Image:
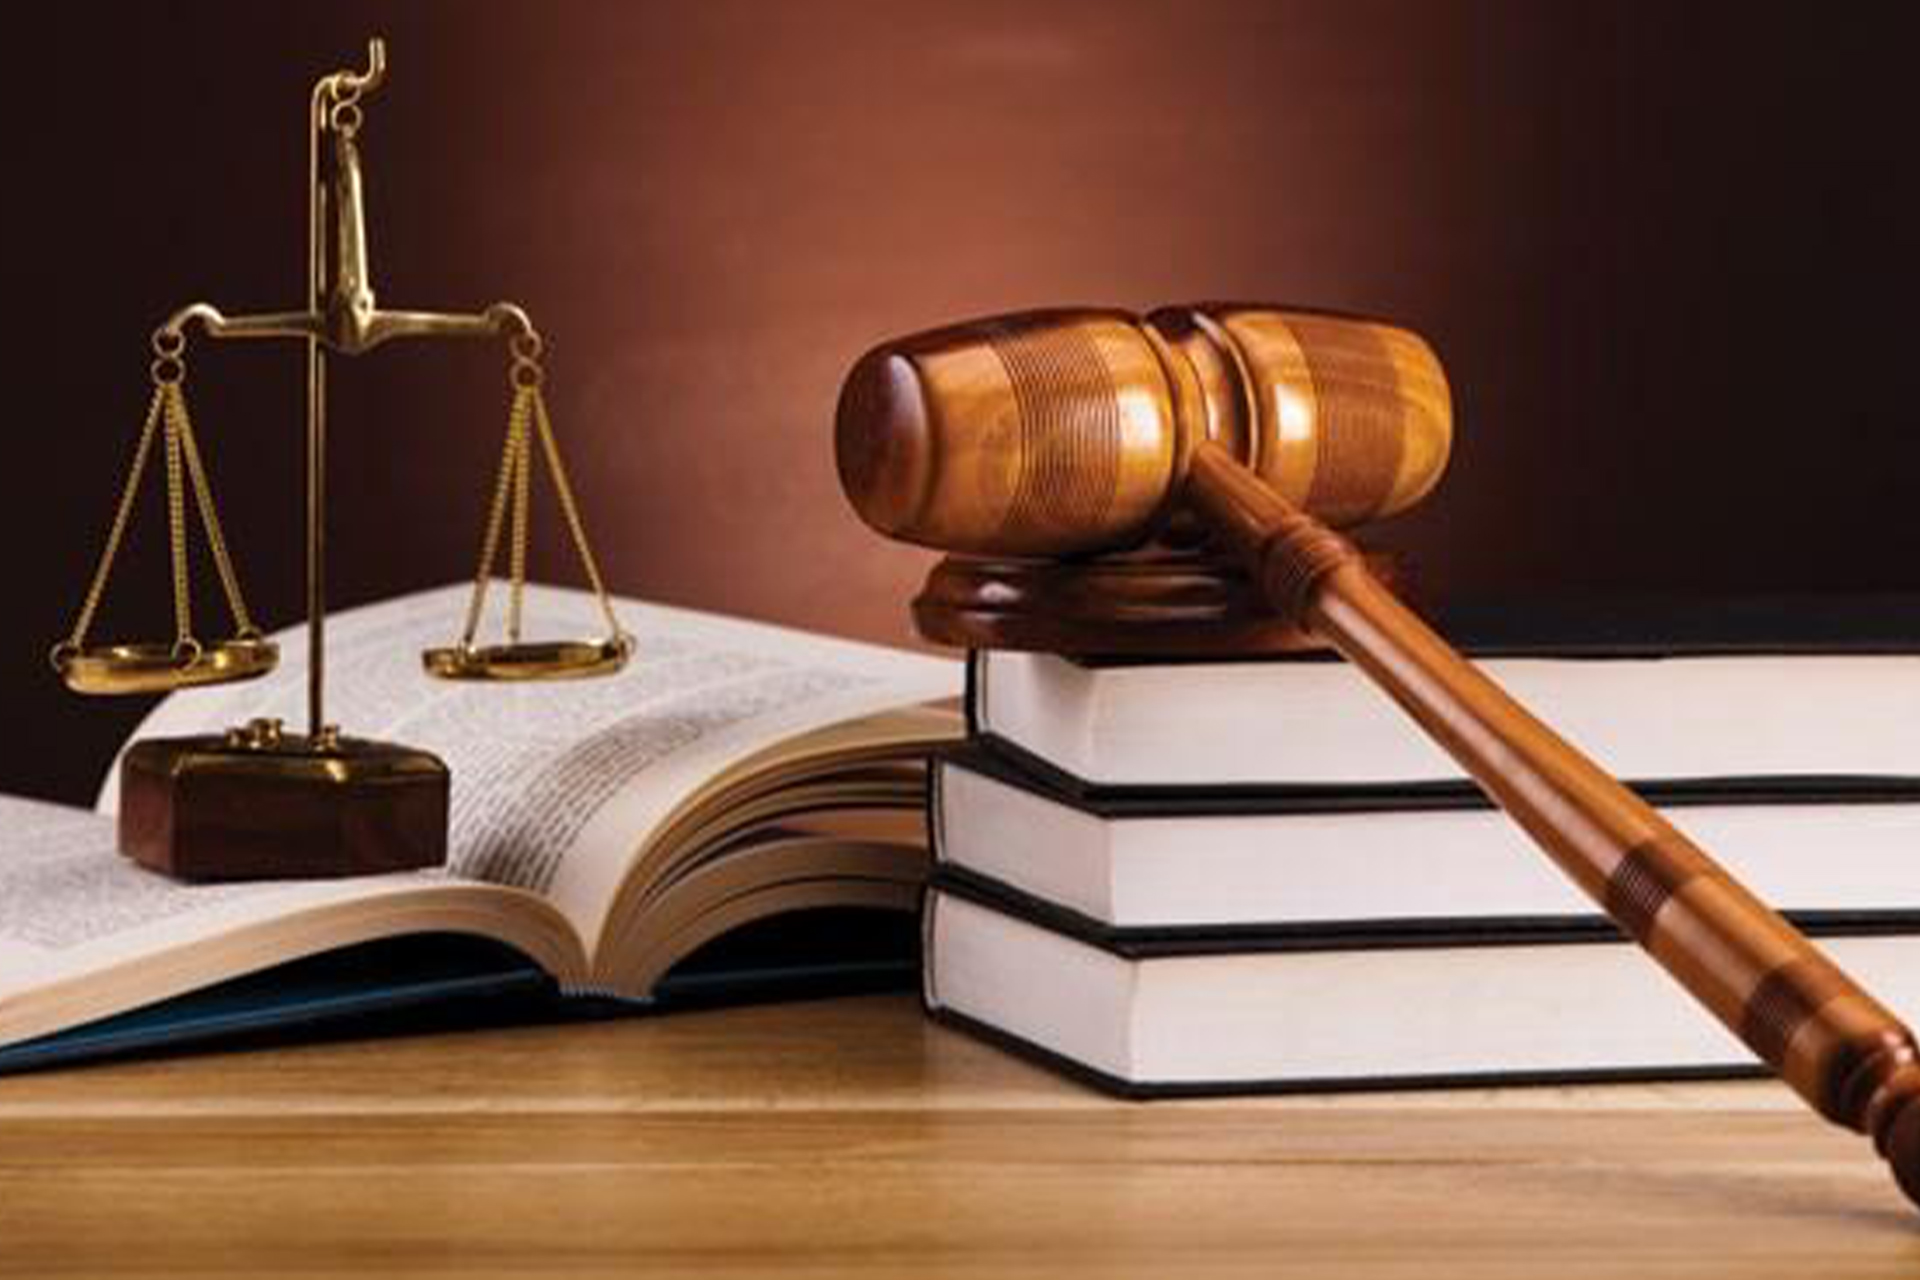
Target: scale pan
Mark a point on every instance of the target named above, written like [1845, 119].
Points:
[542, 660]
[160, 667]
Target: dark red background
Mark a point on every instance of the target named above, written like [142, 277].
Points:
[1666, 250]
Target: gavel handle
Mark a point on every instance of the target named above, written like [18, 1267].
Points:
[1838, 1048]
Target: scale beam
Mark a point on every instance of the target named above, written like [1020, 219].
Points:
[501, 320]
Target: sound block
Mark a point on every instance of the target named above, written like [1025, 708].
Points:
[1159, 602]
[257, 803]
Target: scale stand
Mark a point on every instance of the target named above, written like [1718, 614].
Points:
[259, 801]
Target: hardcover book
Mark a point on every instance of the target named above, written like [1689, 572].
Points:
[1651, 690]
[1335, 858]
[1146, 1016]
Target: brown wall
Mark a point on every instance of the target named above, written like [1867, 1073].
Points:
[1660, 247]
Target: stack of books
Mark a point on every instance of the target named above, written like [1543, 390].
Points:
[1201, 877]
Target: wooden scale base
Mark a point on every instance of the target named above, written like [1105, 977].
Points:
[257, 803]
[1158, 602]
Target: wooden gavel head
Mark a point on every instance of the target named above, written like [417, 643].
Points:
[1052, 433]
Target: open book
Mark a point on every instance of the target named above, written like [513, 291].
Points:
[604, 830]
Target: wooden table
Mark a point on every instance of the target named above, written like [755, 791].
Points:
[851, 1137]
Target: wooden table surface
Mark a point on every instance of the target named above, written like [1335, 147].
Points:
[850, 1137]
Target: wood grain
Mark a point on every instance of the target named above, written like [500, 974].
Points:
[1052, 433]
[1159, 601]
[1846, 1054]
[854, 1138]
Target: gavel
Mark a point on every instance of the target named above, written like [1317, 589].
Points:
[1073, 432]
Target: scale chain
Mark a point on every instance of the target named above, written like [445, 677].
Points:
[572, 511]
[77, 638]
[522, 502]
[166, 412]
[210, 517]
[513, 490]
[496, 517]
[183, 640]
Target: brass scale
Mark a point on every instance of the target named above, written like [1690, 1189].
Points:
[320, 767]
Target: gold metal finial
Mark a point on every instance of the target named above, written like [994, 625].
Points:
[370, 79]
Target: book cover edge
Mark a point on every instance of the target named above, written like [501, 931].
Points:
[1153, 1090]
[1151, 942]
[1000, 760]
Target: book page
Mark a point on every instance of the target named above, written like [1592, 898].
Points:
[556, 785]
[70, 904]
